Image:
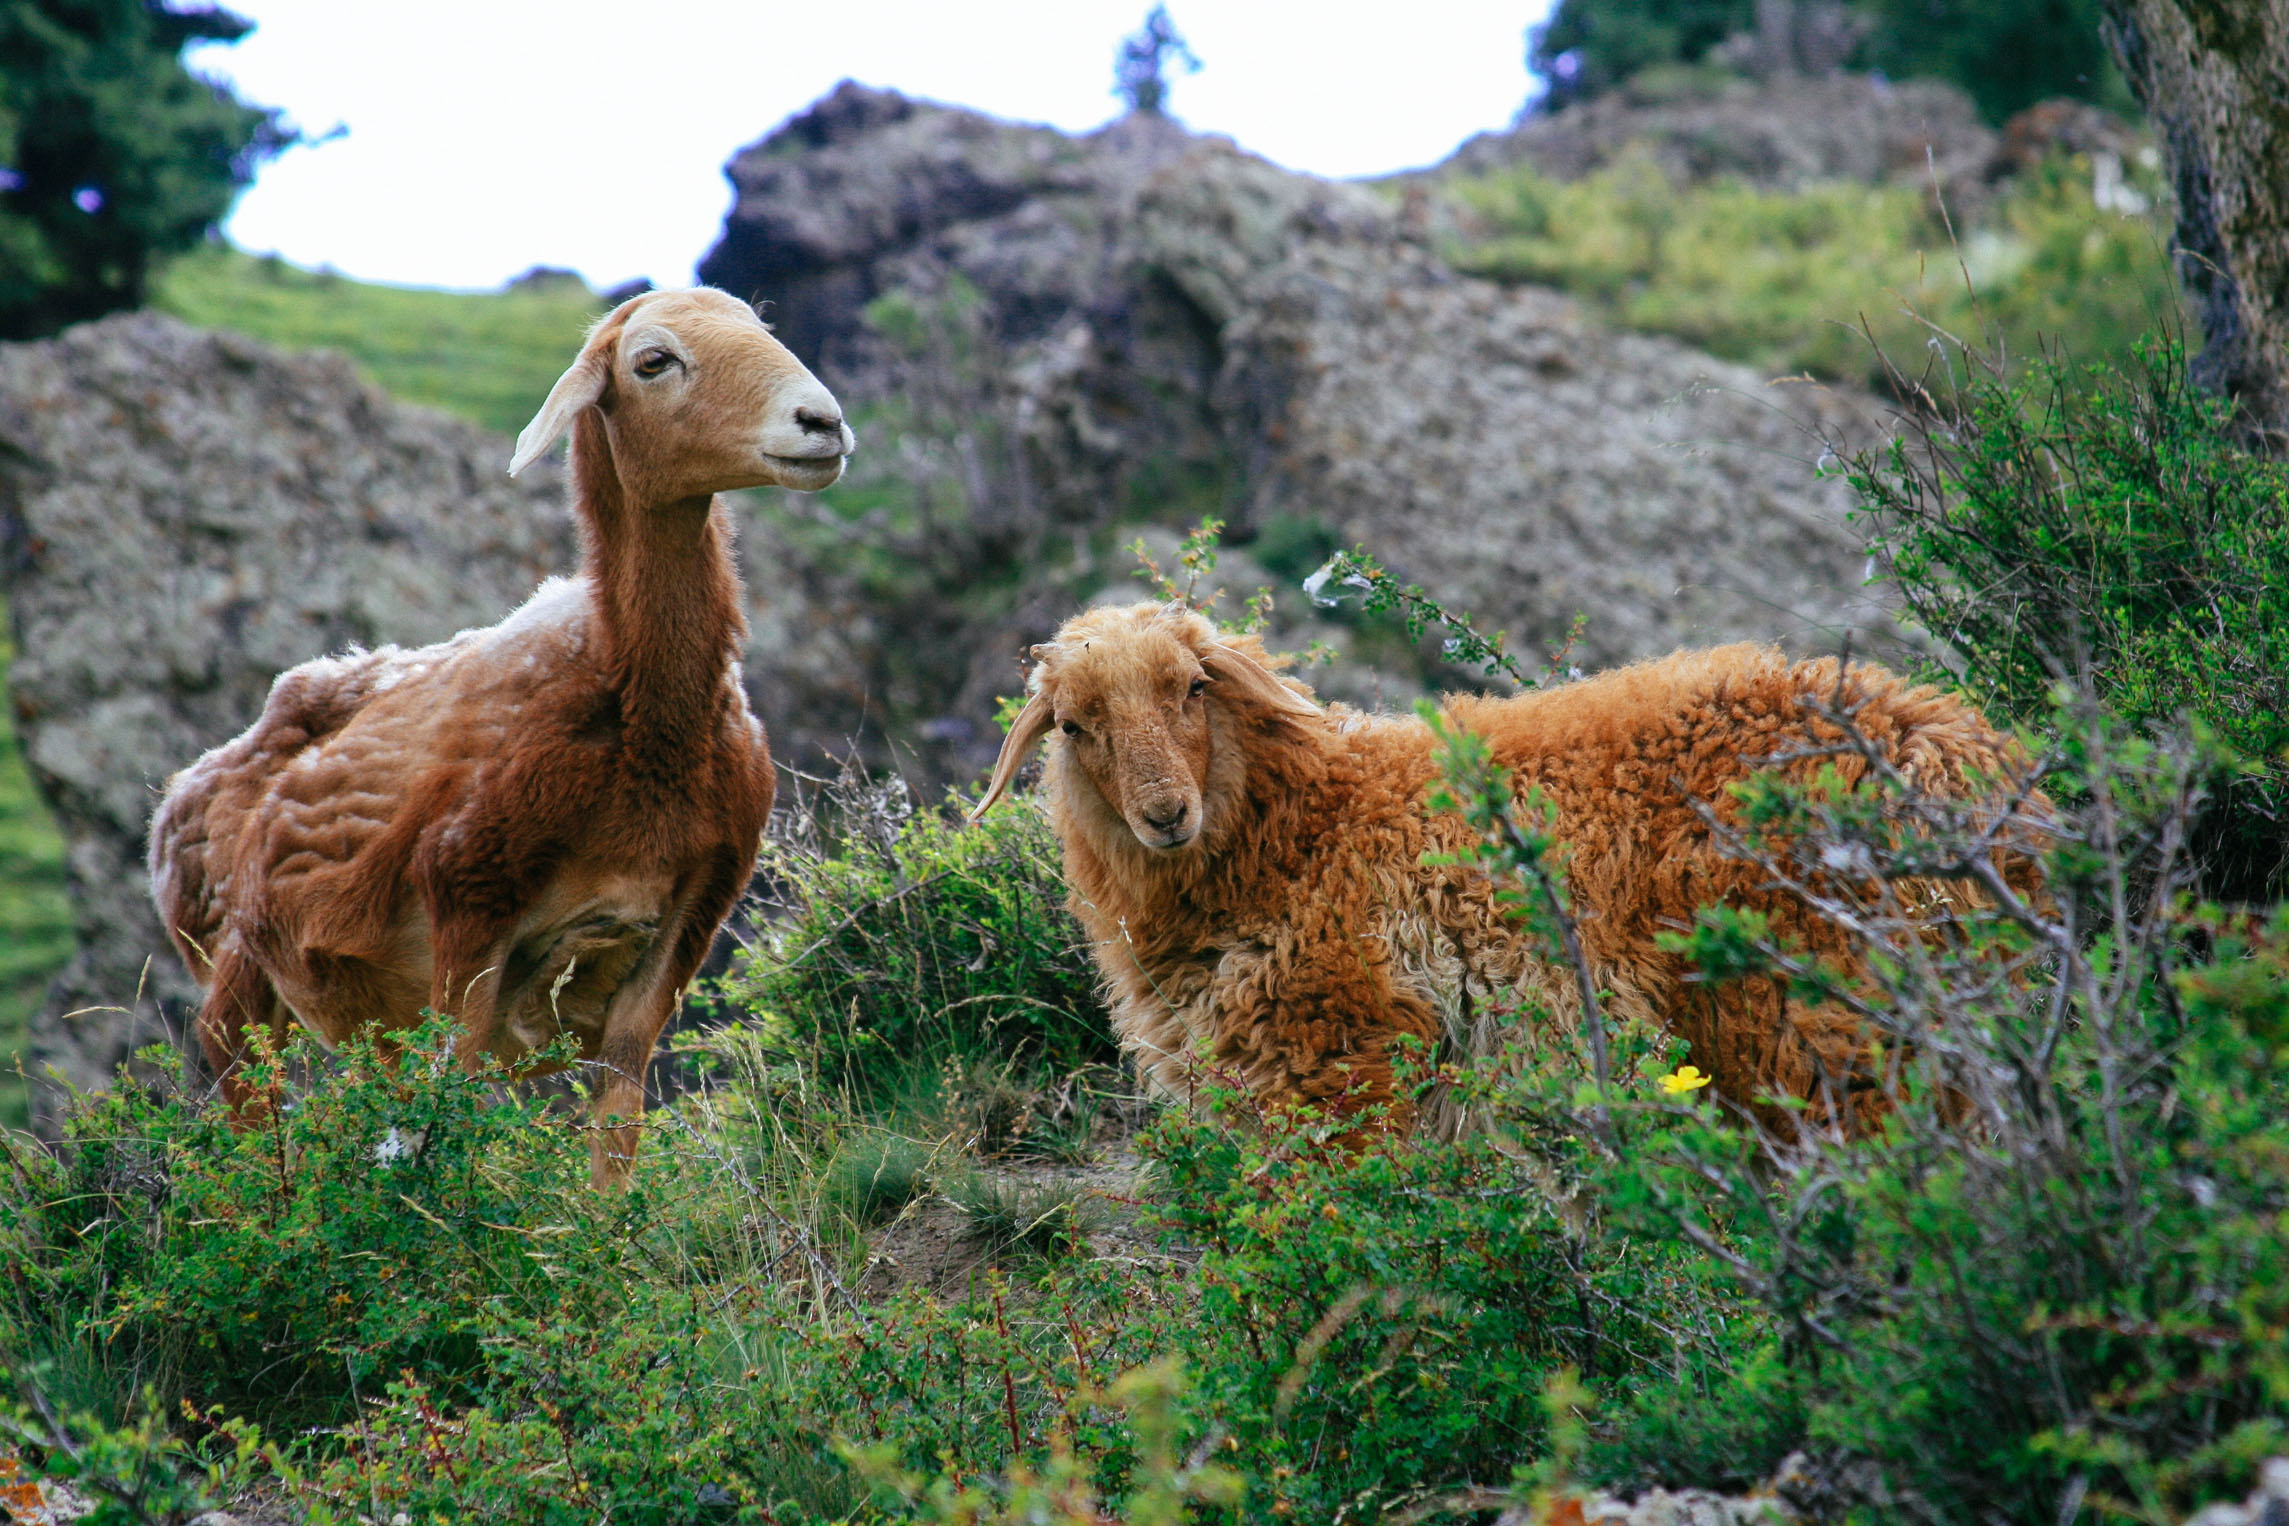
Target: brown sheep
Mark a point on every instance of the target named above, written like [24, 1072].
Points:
[537, 827]
[1248, 866]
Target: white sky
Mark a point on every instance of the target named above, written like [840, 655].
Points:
[487, 136]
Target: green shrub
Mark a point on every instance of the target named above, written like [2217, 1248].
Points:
[2105, 520]
[118, 152]
[2054, 1279]
[1801, 281]
[1066, 1492]
[399, 1234]
[2008, 54]
[903, 937]
[1588, 47]
[279, 1267]
[1379, 1327]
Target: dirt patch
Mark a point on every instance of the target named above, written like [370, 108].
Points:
[1012, 1215]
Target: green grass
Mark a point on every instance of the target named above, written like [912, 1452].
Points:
[1799, 281]
[489, 357]
[35, 919]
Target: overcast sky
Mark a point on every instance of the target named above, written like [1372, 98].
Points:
[487, 136]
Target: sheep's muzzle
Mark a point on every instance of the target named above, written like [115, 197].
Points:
[1165, 820]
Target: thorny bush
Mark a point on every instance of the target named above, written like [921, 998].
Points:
[2103, 521]
[2055, 1279]
[894, 934]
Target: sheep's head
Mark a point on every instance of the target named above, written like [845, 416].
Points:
[1138, 702]
[697, 398]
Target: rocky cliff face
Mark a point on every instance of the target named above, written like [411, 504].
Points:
[1053, 339]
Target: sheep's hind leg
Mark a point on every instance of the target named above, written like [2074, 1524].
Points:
[239, 999]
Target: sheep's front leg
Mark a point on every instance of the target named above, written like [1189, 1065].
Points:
[1317, 1026]
[641, 1014]
[465, 985]
[616, 1096]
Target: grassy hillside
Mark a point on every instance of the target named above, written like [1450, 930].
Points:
[487, 356]
[1802, 281]
[911, 1251]
[35, 920]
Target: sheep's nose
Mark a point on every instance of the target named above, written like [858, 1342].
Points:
[1168, 817]
[818, 420]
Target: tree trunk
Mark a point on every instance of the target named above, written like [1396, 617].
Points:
[2214, 77]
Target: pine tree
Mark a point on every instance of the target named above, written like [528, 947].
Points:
[1139, 69]
[112, 153]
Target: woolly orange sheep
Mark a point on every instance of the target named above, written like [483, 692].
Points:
[1249, 866]
[537, 827]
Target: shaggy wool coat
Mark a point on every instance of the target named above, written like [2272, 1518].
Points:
[1304, 932]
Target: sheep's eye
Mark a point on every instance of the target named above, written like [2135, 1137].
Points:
[654, 362]
[1199, 687]
[1070, 728]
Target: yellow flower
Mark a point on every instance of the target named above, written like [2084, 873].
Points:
[1688, 1078]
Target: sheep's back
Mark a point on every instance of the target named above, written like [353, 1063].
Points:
[1630, 758]
[342, 744]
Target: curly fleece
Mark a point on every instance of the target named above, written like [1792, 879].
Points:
[1300, 933]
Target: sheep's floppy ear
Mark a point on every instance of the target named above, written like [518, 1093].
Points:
[1242, 677]
[578, 388]
[1031, 725]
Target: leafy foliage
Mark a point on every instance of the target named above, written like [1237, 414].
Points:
[1587, 47]
[2051, 1272]
[1380, 1325]
[112, 154]
[901, 935]
[2055, 1275]
[2007, 54]
[382, 1182]
[2107, 521]
[414, 1264]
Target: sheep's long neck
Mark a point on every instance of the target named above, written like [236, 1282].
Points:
[667, 604]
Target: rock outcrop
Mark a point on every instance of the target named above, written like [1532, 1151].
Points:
[1782, 133]
[1050, 339]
